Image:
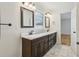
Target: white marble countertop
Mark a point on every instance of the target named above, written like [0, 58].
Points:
[34, 36]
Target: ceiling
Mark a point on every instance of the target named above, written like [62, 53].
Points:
[61, 7]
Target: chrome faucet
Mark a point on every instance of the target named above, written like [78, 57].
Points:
[47, 30]
[31, 32]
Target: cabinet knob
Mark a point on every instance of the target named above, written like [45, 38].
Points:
[74, 32]
[77, 43]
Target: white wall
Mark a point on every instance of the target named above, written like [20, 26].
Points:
[77, 24]
[56, 26]
[73, 28]
[66, 26]
[10, 42]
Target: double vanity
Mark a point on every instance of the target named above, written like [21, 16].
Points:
[37, 45]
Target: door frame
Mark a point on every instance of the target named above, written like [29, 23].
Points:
[74, 50]
[60, 28]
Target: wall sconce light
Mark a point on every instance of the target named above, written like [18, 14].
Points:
[29, 4]
[34, 6]
[47, 14]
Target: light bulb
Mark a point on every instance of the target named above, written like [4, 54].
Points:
[30, 5]
[26, 3]
[34, 7]
[48, 14]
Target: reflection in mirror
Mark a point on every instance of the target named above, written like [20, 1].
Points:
[39, 18]
[27, 18]
[47, 22]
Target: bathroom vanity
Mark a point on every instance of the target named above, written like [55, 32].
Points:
[37, 45]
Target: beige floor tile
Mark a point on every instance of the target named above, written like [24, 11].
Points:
[60, 51]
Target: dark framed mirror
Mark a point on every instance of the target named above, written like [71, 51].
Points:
[27, 18]
[47, 22]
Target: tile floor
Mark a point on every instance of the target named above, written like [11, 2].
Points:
[60, 51]
[65, 39]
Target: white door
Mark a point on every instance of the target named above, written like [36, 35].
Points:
[9, 35]
[77, 30]
[78, 50]
[73, 30]
[0, 26]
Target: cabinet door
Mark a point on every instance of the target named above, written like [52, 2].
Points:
[42, 47]
[52, 40]
[36, 50]
[46, 45]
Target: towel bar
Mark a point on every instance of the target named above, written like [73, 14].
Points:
[6, 24]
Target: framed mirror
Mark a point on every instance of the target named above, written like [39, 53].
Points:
[27, 18]
[47, 22]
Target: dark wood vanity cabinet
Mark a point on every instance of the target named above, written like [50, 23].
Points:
[52, 40]
[36, 47]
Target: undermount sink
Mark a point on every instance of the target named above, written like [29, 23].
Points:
[24, 34]
[35, 33]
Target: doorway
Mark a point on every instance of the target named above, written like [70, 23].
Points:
[66, 28]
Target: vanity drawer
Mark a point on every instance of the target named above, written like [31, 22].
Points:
[35, 41]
